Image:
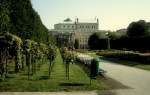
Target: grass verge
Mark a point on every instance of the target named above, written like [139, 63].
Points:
[129, 63]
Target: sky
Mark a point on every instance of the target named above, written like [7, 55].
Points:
[112, 14]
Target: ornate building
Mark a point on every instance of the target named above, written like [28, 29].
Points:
[67, 31]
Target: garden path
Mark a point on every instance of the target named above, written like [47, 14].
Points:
[137, 80]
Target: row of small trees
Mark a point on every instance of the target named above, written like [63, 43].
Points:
[26, 52]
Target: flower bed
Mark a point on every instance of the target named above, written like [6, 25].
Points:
[85, 59]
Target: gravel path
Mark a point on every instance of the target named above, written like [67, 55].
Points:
[48, 93]
[59, 93]
[136, 79]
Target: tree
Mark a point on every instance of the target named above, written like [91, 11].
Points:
[20, 22]
[93, 41]
[19, 18]
[137, 29]
[68, 57]
[76, 44]
[97, 41]
[51, 54]
[115, 35]
[17, 46]
[10, 45]
[4, 16]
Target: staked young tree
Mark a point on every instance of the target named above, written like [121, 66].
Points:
[10, 46]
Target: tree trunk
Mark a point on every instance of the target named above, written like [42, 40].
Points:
[28, 60]
[22, 58]
[17, 61]
[32, 62]
[6, 64]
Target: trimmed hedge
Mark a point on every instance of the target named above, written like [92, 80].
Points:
[127, 55]
[137, 44]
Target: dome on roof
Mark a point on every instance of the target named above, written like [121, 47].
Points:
[67, 20]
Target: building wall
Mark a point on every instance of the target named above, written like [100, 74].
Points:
[78, 27]
[87, 27]
[80, 30]
[65, 26]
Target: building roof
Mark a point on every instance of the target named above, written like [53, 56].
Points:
[67, 20]
[87, 20]
[80, 21]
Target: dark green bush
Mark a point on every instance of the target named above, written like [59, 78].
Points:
[130, 56]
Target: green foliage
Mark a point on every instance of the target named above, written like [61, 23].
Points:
[126, 55]
[136, 38]
[12, 44]
[115, 35]
[35, 52]
[76, 44]
[4, 16]
[18, 17]
[67, 55]
[134, 43]
[94, 67]
[97, 41]
[40, 49]
[137, 29]
[51, 53]
[79, 80]
[11, 41]
[20, 22]
[93, 41]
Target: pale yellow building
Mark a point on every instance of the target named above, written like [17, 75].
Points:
[80, 30]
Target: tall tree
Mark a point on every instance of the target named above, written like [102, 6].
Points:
[4, 16]
[18, 17]
[97, 41]
[137, 29]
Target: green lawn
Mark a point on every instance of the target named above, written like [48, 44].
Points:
[142, 66]
[130, 63]
[58, 82]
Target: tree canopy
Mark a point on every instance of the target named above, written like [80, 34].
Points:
[137, 29]
[19, 18]
[97, 41]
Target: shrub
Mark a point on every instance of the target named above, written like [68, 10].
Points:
[126, 55]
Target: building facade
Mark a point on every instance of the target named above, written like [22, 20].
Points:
[67, 31]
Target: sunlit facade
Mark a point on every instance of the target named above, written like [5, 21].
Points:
[75, 30]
